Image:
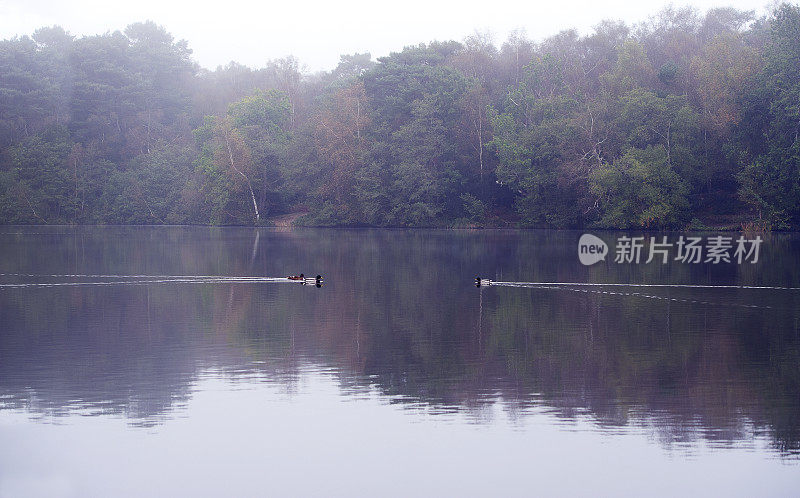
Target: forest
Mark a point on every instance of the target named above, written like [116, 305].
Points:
[686, 121]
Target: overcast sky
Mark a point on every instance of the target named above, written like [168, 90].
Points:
[317, 32]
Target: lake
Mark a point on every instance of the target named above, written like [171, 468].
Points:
[398, 376]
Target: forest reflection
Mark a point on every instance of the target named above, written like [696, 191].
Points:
[398, 316]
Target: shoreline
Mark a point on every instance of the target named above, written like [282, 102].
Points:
[397, 228]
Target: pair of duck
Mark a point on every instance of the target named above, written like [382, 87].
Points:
[302, 277]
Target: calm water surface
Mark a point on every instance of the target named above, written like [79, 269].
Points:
[398, 376]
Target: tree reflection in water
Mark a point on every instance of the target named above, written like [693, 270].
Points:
[398, 315]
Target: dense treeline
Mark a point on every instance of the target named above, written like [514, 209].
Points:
[684, 120]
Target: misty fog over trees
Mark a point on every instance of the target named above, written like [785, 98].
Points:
[686, 120]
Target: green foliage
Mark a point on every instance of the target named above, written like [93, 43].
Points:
[533, 159]
[640, 189]
[415, 111]
[474, 208]
[262, 120]
[38, 187]
[682, 117]
[762, 186]
[266, 111]
[150, 192]
[770, 182]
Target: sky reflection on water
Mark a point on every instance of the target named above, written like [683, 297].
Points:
[314, 441]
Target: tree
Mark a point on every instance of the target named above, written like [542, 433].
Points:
[249, 143]
[340, 137]
[37, 186]
[125, 128]
[262, 122]
[770, 182]
[640, 190]
[415, 110]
